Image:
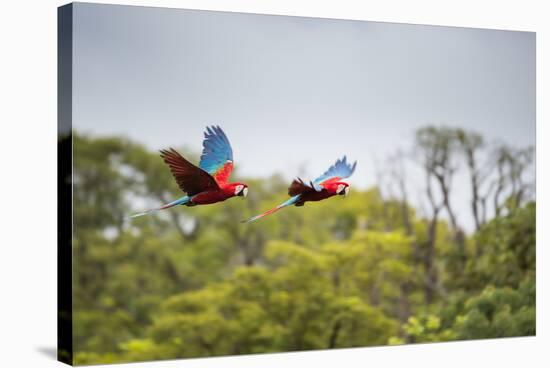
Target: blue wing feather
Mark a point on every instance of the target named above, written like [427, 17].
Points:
[216, 150]
[341, 169]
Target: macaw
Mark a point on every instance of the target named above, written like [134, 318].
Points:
[207, 183]
[327, 185]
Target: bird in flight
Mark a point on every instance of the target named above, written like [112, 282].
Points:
[327, 185]
[208, 182]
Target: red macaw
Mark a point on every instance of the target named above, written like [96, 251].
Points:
[207, 183]
[327, 185]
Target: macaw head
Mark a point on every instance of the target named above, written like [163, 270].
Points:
[341, 188]
[240, 189]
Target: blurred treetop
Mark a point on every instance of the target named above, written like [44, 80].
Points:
[367, 270]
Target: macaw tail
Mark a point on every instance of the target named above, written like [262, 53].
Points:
[290, 202]
[182, 200]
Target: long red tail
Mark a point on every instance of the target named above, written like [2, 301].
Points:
[290, 202]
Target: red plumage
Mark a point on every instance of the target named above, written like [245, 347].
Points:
[190, 178]
[222, 175]
[200, 186]
[208, 182]
[327, 185]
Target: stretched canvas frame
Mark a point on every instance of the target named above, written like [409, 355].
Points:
[415, 325]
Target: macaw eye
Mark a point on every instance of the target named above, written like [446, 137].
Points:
[238, 189]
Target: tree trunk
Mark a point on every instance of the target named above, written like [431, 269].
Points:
[431, 272]
[334, 334]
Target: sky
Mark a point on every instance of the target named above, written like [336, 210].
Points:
[292, 93]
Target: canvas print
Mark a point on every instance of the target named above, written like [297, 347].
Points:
[240, 183]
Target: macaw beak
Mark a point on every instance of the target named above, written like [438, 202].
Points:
[245, 192]
[342, 190]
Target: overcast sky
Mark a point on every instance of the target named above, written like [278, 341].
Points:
[295, 93]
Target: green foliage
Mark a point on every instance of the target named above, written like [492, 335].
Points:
[498, 312]
[508, 249]
[192, 282]
[427, 328]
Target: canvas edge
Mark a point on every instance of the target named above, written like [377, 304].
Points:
[64, 184]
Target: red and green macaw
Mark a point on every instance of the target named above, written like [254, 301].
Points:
[207, 183]
[327, 185]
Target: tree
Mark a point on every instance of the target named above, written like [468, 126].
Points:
[512, 165]
[471, 145]
[367, 270]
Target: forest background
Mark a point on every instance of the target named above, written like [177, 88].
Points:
[392, 264]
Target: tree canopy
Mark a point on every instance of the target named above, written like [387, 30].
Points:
[368, 270]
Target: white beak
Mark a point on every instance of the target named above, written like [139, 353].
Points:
[238, 189]
[245, 192]
[346, 191]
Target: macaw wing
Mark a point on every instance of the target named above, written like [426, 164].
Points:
[340, 170]
[217, 155]
[190, 178]
[298, 187]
